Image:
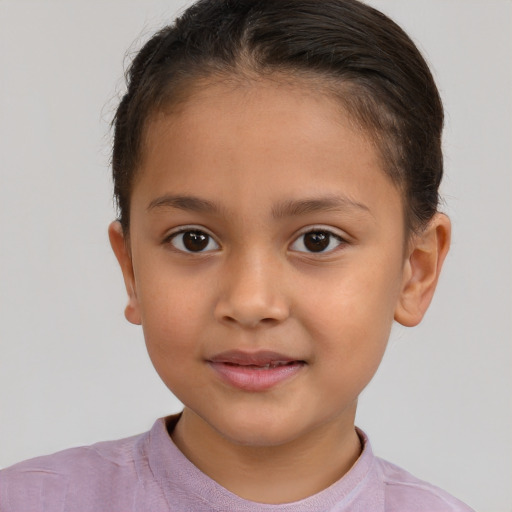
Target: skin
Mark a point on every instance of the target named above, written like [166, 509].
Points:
[264, 154]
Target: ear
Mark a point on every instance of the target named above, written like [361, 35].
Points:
[426, 254]
[122, 251]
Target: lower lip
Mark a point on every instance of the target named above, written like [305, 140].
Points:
[252, 378]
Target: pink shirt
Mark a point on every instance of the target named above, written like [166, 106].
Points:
[148, 473]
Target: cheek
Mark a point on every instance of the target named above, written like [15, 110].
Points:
[174, 314]
[350, 316]
[350, 338]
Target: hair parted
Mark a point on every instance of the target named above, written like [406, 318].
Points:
[348, 49]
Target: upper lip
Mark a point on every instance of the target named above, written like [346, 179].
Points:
[260, 358]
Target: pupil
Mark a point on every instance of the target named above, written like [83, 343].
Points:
[195, 240]
[317, 241]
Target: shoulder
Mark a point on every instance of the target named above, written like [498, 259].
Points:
[87, 473]
[406, 493]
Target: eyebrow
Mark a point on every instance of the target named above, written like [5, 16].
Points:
[289, 208]
[330, 203]
[180, 202]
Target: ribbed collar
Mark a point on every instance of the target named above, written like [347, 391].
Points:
[358, 490]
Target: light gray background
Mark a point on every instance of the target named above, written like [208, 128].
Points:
[73, 371]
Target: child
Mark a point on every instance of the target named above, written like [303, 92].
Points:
[276, 166]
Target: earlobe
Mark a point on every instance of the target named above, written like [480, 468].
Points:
[426, 255]
[122, 252]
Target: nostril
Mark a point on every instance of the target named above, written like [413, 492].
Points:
[251, 319]
[250, 323]
[269, 320]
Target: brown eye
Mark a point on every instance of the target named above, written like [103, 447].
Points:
[193, 240]
[317, 241]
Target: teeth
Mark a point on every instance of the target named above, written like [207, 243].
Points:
[273, 365]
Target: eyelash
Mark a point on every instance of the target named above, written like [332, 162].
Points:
[191, 229]
[326, 235]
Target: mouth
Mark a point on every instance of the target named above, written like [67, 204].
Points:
[258, 371]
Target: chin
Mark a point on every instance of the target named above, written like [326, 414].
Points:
[259, 430]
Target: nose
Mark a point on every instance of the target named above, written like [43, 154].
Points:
[252, 294]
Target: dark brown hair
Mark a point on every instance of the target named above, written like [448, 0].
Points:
[349, 49]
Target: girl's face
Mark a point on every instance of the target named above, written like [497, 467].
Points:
[267, 260]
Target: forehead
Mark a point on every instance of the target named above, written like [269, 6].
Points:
[230, 102]
[267, 136]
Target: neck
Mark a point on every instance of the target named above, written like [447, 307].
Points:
[270, 474]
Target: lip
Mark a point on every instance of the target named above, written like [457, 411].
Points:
[255, 371]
